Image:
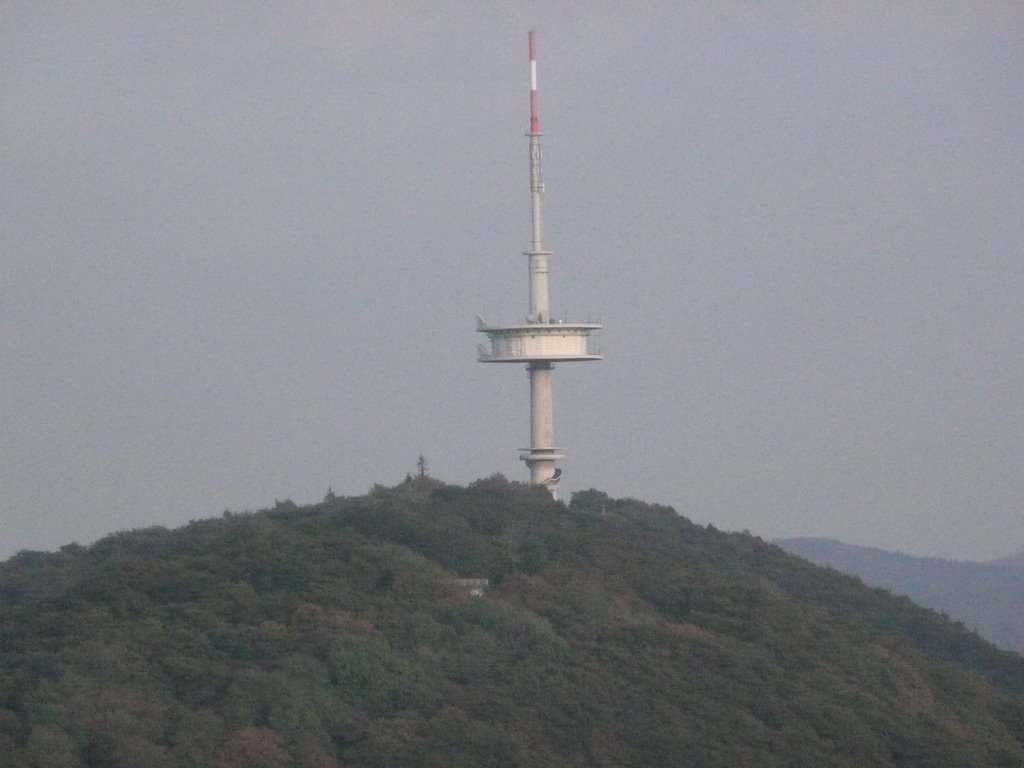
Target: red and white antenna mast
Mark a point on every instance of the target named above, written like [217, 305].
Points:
[539, 309]
[539, 342]
[534, 110]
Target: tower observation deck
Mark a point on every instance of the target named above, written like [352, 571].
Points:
[540, 341]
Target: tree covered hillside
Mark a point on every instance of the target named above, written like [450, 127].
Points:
[613, 633]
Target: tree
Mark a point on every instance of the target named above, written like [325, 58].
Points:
[253, 748]
[50, 747]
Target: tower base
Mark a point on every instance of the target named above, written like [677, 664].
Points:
[541, 462]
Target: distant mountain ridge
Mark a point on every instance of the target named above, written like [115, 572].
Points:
[1012, 561]
[987, 597]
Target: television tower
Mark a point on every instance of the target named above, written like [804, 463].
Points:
[541, 341]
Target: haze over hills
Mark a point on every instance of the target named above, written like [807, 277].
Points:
[988, 597]
[610, 633]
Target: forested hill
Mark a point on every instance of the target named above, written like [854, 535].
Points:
[613, 633]
[988, 597]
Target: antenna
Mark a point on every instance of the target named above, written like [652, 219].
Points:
[534, 110]
[538, 342]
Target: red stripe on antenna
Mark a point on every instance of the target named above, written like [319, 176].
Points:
[534, 109]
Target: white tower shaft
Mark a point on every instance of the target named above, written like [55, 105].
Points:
[540, 309]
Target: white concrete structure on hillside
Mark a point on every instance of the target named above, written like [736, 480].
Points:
[541, 340]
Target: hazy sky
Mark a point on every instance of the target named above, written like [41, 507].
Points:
[242, 245]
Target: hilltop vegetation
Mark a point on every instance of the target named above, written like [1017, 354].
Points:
[988, 597]
[614, 633]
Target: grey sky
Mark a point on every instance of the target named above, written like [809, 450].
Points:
[242, 245]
